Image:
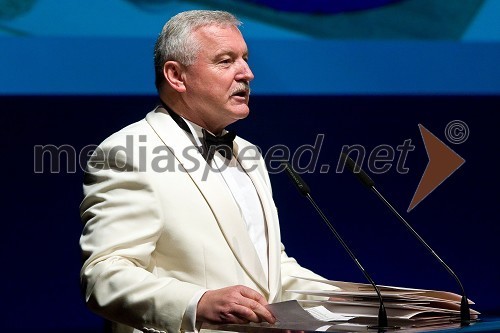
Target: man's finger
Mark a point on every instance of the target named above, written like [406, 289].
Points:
[252, 294]
[257, 303]
[265, 314]
[262, 313]
[245, 313]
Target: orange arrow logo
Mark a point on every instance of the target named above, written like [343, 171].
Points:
[443, 162]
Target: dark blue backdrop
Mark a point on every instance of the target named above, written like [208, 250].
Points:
[459, 219]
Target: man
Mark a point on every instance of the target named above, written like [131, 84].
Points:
[179, 232]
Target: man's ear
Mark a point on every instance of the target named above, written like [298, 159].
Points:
[173, 73]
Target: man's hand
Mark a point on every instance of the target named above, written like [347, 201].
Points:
[233, 305]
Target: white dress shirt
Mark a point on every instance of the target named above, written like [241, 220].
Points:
[245, 195]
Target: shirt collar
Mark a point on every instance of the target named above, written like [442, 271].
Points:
[194, 131]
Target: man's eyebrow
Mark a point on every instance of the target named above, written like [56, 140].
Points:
[223, 52]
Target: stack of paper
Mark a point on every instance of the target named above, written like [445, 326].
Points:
[358, 303]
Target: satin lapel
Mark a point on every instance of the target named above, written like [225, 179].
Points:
[214, 191]
[249, 161]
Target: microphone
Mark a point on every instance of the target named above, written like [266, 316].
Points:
[304, 189]
[465, 318]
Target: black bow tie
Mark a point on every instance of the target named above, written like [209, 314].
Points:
[223, 144]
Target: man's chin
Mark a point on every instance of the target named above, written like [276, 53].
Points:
[240, 111]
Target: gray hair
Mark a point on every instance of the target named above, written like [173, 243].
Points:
[176, 42]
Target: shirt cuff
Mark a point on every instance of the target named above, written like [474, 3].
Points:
[189, 319]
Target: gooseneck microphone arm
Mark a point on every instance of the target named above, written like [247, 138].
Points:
[305, 191]
[368, 182]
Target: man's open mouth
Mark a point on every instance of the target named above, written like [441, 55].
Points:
[241, 93]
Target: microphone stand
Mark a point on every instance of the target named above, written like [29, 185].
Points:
[464, 304]
[382, 323]
[363, 177]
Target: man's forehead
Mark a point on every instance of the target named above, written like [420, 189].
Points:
[217, 30]
[217, 36]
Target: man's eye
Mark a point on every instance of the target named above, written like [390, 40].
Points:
[225, 61]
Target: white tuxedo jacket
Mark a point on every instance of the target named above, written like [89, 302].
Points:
[160, 225]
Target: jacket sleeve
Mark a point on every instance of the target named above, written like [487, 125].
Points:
[122, 223]
[291, 273]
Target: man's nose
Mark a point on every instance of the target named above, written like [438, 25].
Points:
[244, 73]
